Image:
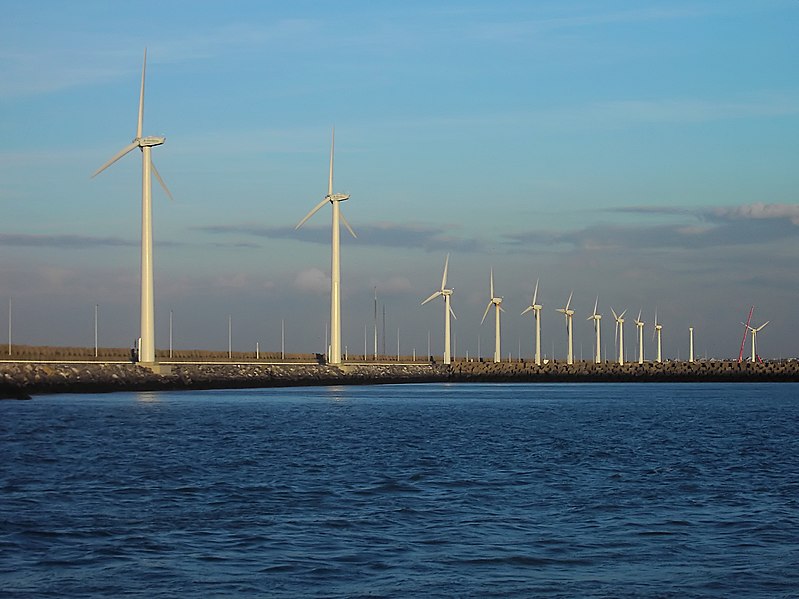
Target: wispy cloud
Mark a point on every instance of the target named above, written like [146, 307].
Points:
[525, 28]
[57, 64]
[62, 241]
[752, 224]
[423, 237]
[756, 211]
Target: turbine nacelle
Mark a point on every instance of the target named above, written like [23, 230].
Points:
[337, 197]
[149, 142]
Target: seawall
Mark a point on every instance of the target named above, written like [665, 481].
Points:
[610, 372]
[21, 380]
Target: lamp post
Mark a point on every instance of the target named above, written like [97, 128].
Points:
[96, 307]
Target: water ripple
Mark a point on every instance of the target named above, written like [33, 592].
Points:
[398, 491]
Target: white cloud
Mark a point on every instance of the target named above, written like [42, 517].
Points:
[313, 280]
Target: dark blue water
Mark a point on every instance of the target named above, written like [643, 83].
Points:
[404, 491]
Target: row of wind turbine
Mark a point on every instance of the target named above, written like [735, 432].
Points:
[536, 308]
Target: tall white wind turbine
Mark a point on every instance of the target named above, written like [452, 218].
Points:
[496, 302]
[536, 308]
[568, 313]
[446, 294]
[754, 332]
[335, 262]
[657, 331]
[640, 325]
[597, 318]
[620, 333]
[147, 336]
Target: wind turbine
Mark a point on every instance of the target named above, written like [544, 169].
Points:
[147, 335]
[755, 331]
[446, 294]
[568, 314]
[496, 301]
[691, 344]
[335, 267]
[597, 318]
[536, 308]
[640, 324]
[657, 331]
[620, 333]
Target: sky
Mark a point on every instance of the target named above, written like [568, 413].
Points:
[641, 153]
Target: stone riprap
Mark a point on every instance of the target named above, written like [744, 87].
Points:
[587, 372]
[21, 380]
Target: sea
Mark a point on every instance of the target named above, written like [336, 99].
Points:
[429, 490]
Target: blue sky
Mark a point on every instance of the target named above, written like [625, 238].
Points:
[642, 152]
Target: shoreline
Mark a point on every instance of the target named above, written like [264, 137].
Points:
[21, 380]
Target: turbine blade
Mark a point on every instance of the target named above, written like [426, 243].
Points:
[488, 307]
[535, 293]
[444, 278]
[332, 150]
[432, 297]
[141, 97]
[160, 180]
[347, 225]
[570, 300]
[622, 314]
[526, 310]
[492, 283]
[500, 308]
[117, 156]
[451, 311]
[311, 213]
[616, 316]
[596, 303]
[639, 316]
[762, 326]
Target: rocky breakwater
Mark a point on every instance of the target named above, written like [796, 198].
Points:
[23, 380]
[586, 372]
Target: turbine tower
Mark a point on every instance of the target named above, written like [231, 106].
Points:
[568, 313]
[536, 308]
[147, 330]
[496, 302]
[657, 331]
[597, 319]
[446, 294]
[640, 324]
[335, 264]
[620, 333]
[755, 331]
[691, 344]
